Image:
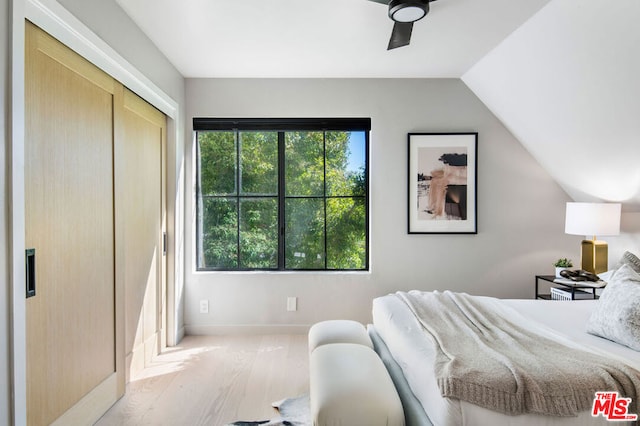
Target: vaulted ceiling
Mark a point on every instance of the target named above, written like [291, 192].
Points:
[562, 75]
[566, 83]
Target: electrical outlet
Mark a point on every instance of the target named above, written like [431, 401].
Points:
[204, 306]
[292, 304]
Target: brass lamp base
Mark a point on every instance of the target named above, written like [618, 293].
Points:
[594, 256]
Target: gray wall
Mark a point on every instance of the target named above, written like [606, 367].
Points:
[107, 20]
[520, 208]
[5, 342]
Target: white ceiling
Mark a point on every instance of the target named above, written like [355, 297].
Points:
[323, 38]
[566, 85]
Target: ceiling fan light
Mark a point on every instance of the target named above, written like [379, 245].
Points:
[407, 11]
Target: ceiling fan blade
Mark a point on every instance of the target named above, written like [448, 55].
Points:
[401, 35]
[381, 1]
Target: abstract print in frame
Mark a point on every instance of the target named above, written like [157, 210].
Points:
[442, 183]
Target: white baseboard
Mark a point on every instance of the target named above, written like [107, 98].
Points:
[246, 329]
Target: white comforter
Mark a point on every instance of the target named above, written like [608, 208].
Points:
[413, 351]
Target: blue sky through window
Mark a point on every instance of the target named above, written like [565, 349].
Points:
[357, 148]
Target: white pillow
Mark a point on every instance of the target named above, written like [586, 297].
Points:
[606, 276]
[617, 313]
[627, 258]
[630, 259]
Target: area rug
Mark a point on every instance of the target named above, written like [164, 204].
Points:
[293, 412]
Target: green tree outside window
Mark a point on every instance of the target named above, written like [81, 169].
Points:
[282, 200]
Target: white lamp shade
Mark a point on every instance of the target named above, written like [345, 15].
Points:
[592, 219]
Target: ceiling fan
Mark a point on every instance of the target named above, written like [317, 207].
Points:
[404, 13]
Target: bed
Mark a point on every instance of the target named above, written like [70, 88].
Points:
[409, 354]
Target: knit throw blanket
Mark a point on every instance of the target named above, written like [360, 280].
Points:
[488, 355]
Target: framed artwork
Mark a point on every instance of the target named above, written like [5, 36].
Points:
[442, 183]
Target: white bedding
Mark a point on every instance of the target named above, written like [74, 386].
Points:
[413, 351]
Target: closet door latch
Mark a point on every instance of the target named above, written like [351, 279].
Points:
[30, 264]
[164, 243]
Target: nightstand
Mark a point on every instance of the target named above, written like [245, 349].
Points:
[572, 287]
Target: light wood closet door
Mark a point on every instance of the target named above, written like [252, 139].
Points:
[139, 210]
[95, 214]
[72, 344]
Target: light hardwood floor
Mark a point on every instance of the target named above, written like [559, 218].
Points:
[214, 380]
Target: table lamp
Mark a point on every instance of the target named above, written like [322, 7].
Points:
[591, 219]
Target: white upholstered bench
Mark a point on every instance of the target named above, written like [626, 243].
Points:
[349, 384]
[338, 331]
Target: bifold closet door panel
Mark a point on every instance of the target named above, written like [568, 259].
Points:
[69, 208]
